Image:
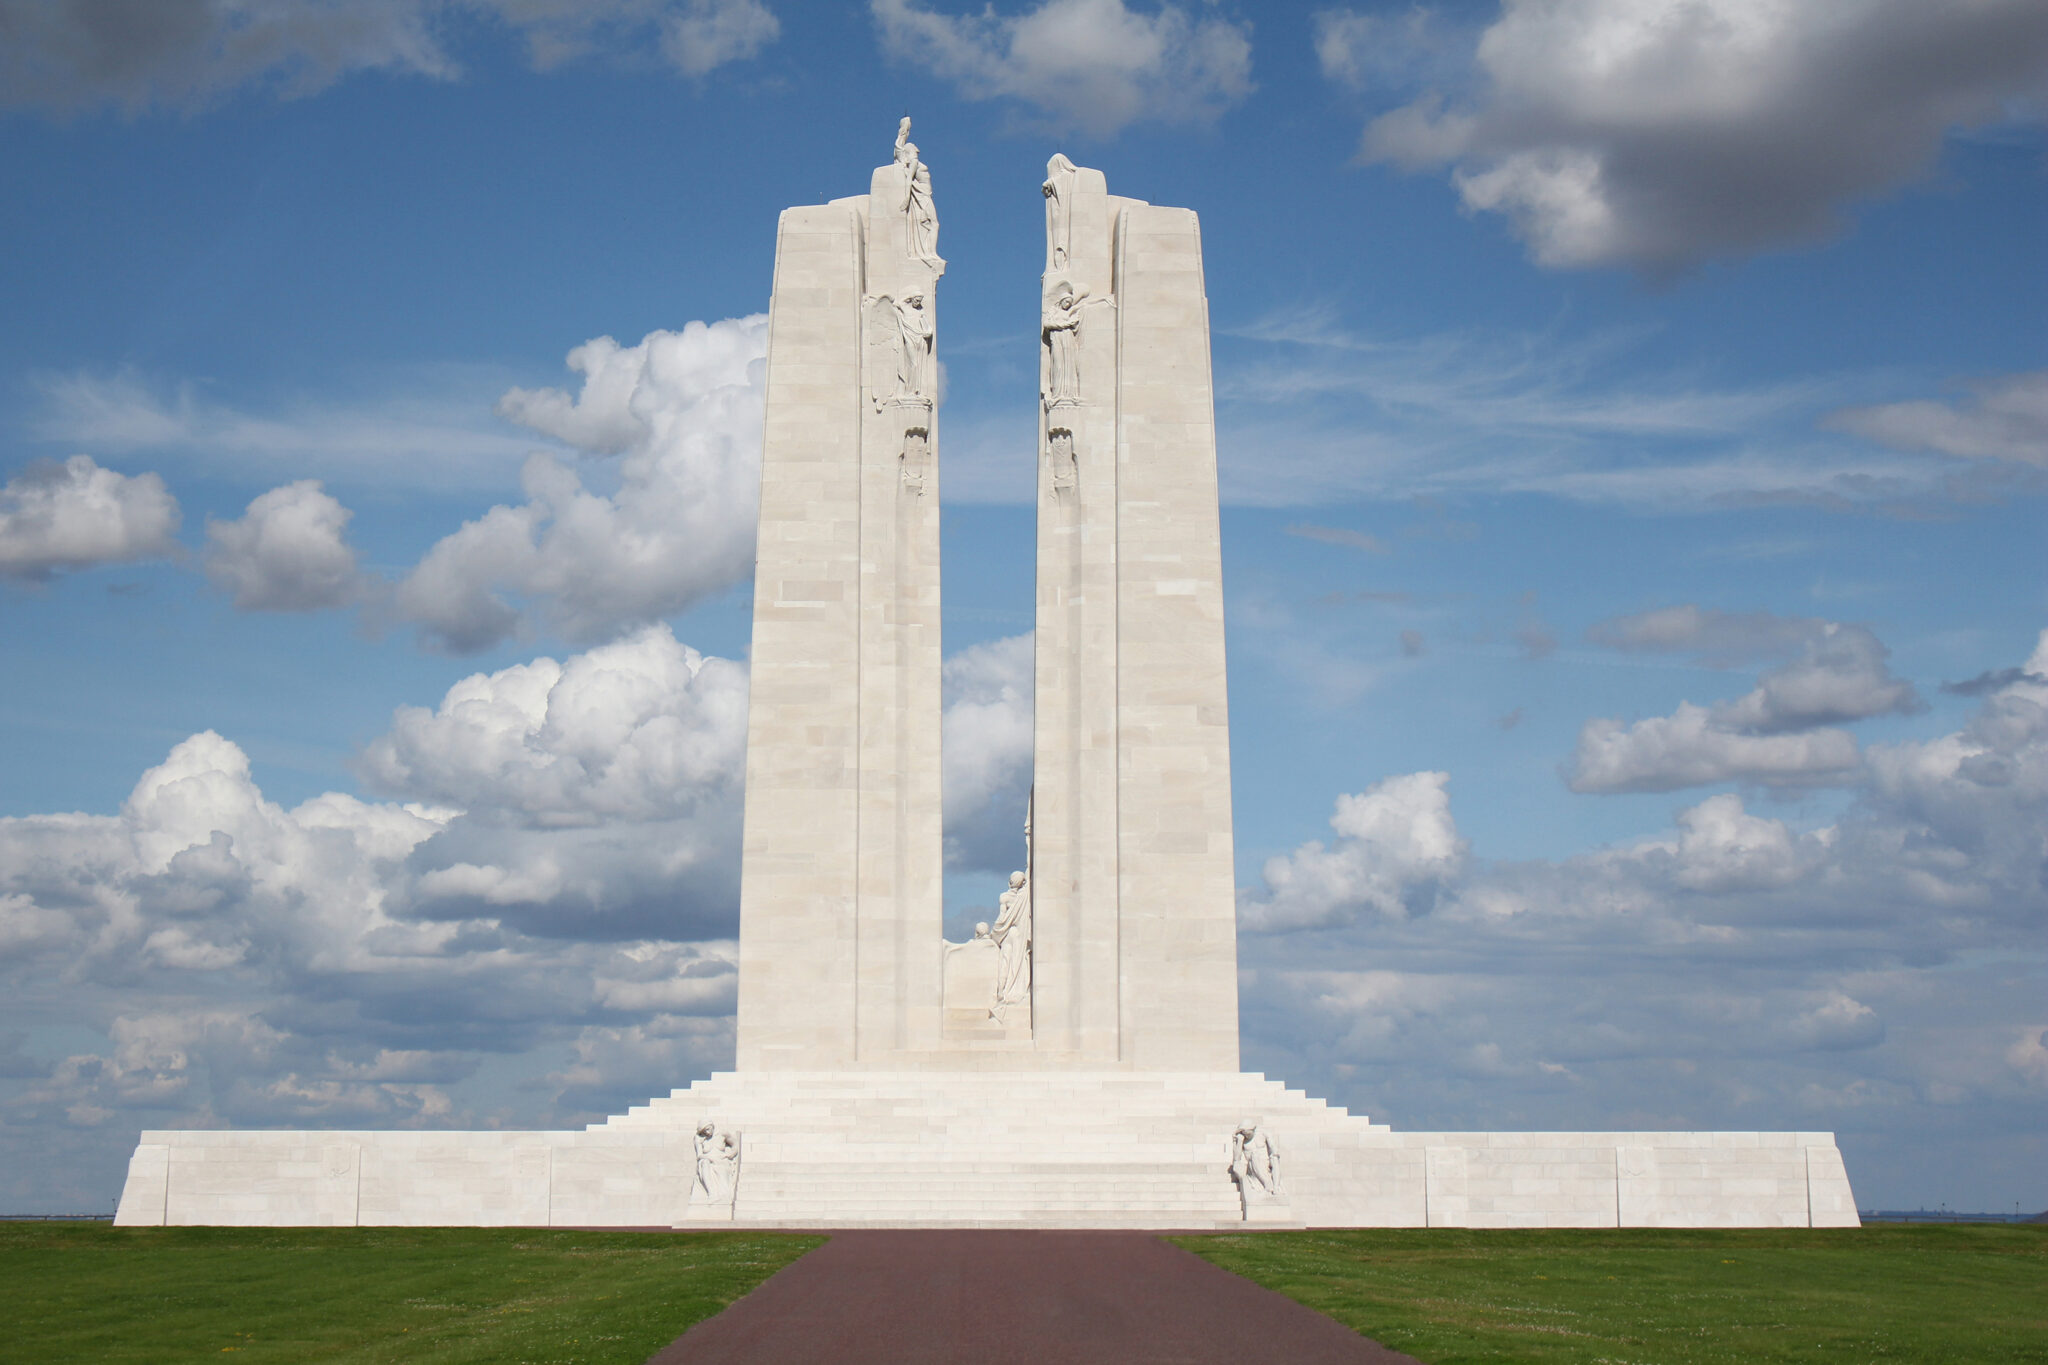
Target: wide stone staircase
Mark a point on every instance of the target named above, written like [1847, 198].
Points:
[997, 1148]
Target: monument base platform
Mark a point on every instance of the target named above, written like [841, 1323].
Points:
[987, 1148]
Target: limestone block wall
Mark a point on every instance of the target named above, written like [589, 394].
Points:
[407, 1179]
[1177, 913]
[1570, 1180]
[799, 895]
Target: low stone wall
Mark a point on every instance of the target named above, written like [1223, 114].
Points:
[1076, 1149]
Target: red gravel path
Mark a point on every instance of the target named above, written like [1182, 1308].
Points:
[1015, 1298]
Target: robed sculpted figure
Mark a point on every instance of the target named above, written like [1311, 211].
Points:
[1061, 175]
[1012, 935]
[917, 196]
[913, 350]
[1060, 328]
[718, 1166]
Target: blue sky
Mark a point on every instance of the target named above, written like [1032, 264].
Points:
[1633, 430]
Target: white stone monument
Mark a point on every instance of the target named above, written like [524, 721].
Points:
[1076, 1063]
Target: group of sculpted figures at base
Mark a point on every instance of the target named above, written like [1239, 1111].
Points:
[714, 1188]
[716, 1180]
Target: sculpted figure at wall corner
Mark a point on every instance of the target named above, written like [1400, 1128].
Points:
[917, 197]
[1060, 179]
[1060, 327]
[911, 325]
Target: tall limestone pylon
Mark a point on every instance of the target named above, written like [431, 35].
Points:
[1132, 918]
[840, 888]
[1133, 891]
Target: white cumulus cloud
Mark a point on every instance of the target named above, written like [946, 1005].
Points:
[75, 514]
[645, 728]
[986, 745]
[683, 409]
[1659, 133]
[287, 552]
[1880, 975]
[1092, 65]
[1396, 842]
[1774, 734]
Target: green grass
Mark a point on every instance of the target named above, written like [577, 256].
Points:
[1969, 1295]
[95, 1292]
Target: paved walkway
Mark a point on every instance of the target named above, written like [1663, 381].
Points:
[1019, 1298]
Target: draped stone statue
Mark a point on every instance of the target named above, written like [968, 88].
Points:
[1060, 179]
[1060, 327]
[717, 1176]
[1254, 1165]
[913, 351]
[1012, 935]
[917, 196]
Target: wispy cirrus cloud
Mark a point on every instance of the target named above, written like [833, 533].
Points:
[1333, 414]
[426, 432]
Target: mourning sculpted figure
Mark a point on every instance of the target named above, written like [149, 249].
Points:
[1254, 1164]
[917, 197]
[1060, 179]
[1012, 935]
[913, 351]
[718, 1167]
[1060, 327]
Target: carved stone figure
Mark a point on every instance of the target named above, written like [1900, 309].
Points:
[913, 350]
[915, 460]
[1012, 935]
[1060, 452]
[1060, 326]
[1060, 179]
[718, 1168]
[1254, 1165]
[917, 197]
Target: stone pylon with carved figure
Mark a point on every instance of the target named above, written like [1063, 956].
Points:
[1076, 1062]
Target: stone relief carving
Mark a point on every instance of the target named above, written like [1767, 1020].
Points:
[1060, 179]
[915, 460]
[1059, 452]
[1255, 1166]
[1060, 326]
[917, 198]
[914, 342]
[903, 328]
[718, 1170]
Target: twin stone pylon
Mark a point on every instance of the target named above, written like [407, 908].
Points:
[888, 1078]
[1131, 921]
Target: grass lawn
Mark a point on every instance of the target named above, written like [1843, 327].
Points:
[89, 1291]
[1972, 1295]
